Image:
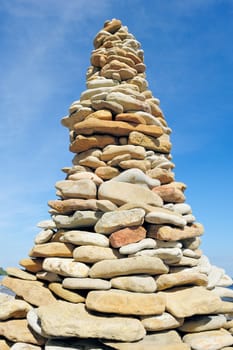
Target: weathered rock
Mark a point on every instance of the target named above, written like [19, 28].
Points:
[167, 340]
[83, 218]
[128, 266]
[128, 192]
[211, 340]
[65, 294]
[136, 283]
[33, 292]
[85, 175]
[106, 172]
[83, 143]
[170, 193]
[86, 283]
[43, 236]
[125, 303]
[163, 175]
[23, 346]
[165, 216]
[169, 233]
[73, 204]
[113, 151]
[132, 248]
[65, 267]
[84, 188]
[86, 238]
[4, 345]
[32, 265]
[76, 321]
[159, 144]
[180, 279]
[130, 118]
[136, 176]
[161, 322]
[13, 309]
[48, 276]
[16, 272]
[52, 249]
[115, 220]
[93, 125]
[126, 236]
[203, 323]
[186, 302]
[89, 254]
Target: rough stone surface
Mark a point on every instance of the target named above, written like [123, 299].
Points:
[86, 238]
[210, 340]
[161, 322]
[86, 283]
[169, 233]
[136, 283]
[89, 254]
[127, 235]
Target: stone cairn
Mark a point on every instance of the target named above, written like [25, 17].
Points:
[118, 265]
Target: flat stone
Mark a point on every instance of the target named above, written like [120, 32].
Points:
[142, 165]
[76, 321]
[112, 106]
[93, 152]
[4, 345]
[18, 331]
[128, 266]
[73, 204]
[126, 236]
[92, 162]
[46, 224]
[165, 216]
[57, 249]
[118, 159]
[74, 344]
[48, 276]
[82, 218]
[65, 294]
[161, 322]
[83, 143]
[136, 283]
[169, 255]
[130, 118]
[112, 26]
[86, 283]
[223, 292]
[112, 151]
[210, 340]
[33, 292]
[115, 220]
[128, 192]
[167, 340]
[43, 236]
[86, 175]
[16, 272]
[24, 346]
[92, 254]
[105, 205]
[32, 265]
[170, 193]
[180, 279]
[189, 301]
[125, 303]
[214, 276]
[65, 267]
[13, 309]
[86, 238]
[203, 323]
[132, 248]
[106, 172]
[78, 114]
[93, 125]
[84, 188]
[151, 130]
[168, 233]
[160, 144]
[163, 175]
[128, 102]
[102, 114]
[136, 176]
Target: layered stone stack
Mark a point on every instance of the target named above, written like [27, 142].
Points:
[118, 265]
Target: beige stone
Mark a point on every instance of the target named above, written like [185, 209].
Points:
[167, 340]
[136, 176]
[92, 254]
[14, 309]
[113, 106]
[18, 331]
[128, 266]
[92, 162]
[85, 175]
[128, 192]
[180, 279]
[48, 276]
[203, 323]
[83, 143]
[105, 205]
[65, 294]
[106, 172]
[73, 204]
[102, 114]
[169, 233]
[76, 321]
[136, 283]
[82, 218]
[161, 322]
[143, 165]
[160, 144]
[33, 292]
[112, 151]
[84, 188]
[163, 175]
[16, 272]
[170, 193]
[126, 236]
[189, 301]
[165, 216]
[32, 265]
[211, 340]
[43, 236]
[52, 249]
[132, 248]
[125, 303]
[130, 118]
[86, 238]
[4, 345]
[115, 220]
[86, 283]
[93, 125]
[65, 267]
[24, 346]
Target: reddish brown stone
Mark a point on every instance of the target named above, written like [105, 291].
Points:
[168, 233]
[170, 193]
[127, 235]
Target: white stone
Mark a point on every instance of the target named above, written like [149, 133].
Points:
[43, 236]
[132, 248]
[82, 218]
[214, 276]
[46, 224]
[86, 283]
[136, 176]
[165, 216]
[85, 238]
[65, 267]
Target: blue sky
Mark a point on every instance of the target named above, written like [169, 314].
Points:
[45, 50]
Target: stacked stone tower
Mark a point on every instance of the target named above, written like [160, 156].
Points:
[118, 265]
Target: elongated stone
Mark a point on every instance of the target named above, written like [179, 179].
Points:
[128, 266]
[161, 322]
[181, 278]
[132, 248]
[86, 238]
[168, 233]
[73, 297]
[65, 267]
[84, 188]
[83, 218]
[136, 176]
[93, 125]
[91, 254]
[165, 216]
[112, 151]
[83, 143]
[14, 309]
[86, 283]
[203, 323]
[76, 321]
[160, 144]
[16, 272]
[213, 340]
[127, 235]
[125, 303]
[52, 249]
[136, 283]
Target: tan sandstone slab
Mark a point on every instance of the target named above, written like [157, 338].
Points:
[92, 254]
[33, 292]
[57, 289]
[126, 236]
[168, 233]
[84, 188]
[160, 144]
[52, 249]
[161, 322]
[85, 238]
[93, 125]
[112, 151]
[165, 216]
[16, 272]
[80, 218]
[32, 265]
[66, 267]
[86, 283]
[83, 143]
[203, 323]
[136, 283]
[127, 192]
[125, 303]
[4, 345]
[18, 331]
[14, 309]
[186, 302]
[76, 321]
[170, 193]
[167, 340]
[128, 266]
[210, 340]
[180, 279]
[73, 204]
